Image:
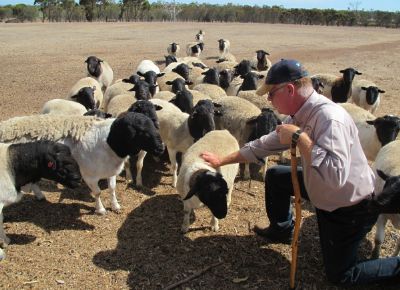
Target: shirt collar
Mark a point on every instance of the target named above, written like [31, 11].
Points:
[302, 114]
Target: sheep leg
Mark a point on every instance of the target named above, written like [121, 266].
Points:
[139, 168]
[174, 166]
[186, 217]
[214, 224]
[38, 193]
[379, 236]
[94, 187]
[395, 219]
[246, 174]
[128, 173]
[112, 182]
[4, 240]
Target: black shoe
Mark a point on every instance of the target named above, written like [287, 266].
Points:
[276, 234]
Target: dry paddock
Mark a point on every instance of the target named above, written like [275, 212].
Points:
[61, 243]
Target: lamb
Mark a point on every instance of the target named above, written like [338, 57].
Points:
[100, 70]
[200, 184]
[86, 91]
[261, 61]
[374, 133]
[223, 46]
[61, 106]
[338, 89]
[118, 88]
[194, 49]
[175, 133]
[150, 71]
[21, 164]
[244, 121]
[199, 37]
[366, 95]
[388, 169]
[99, 146]
[173, 49]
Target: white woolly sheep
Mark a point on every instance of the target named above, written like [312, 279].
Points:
[199, 184]
[194, 49]
[373, 132]
[99, 146]
[366, 94]
[387, 161]
[21, 164]
[213, 91]
[150, 71]
[176, 134]
[223, 47]
[61, 106]
[100, 70]
[226, 57]
[97, 94]
[244, 121]
[119, 104]
[173, 49]
[338, 89]
[122, 86]
[199, 37]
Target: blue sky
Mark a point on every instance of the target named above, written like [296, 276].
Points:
[385, 5]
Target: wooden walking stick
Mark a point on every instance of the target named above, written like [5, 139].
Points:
[297, 202]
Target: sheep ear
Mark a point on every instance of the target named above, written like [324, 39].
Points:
[358, 73]
[381, 91]
[168, 83]
[74, 97]
[364, 88]
[218, 112]
[100, 60]
[204, 73]
[253, 67]
[370, 122]
[160, 74]
[382, 175]
[260, 77]
[217, 105]
[140, 74]
[157, 107]
[191, 193]
[189, 82]
[266, 53]
[125, 80]
[341, 71]
[321, 84]
[107, 115]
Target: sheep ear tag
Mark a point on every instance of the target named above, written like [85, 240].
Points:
[51, 165]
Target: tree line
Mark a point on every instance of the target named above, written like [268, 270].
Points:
[142, 10]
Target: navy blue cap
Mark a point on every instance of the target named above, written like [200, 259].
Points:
[285, 70]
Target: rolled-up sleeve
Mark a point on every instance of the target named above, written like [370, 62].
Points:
[256, 150]
[330, 156]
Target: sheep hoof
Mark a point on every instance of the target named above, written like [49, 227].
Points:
[184, 229]
[5, 242]
[101, 211]
[117, 210]
[2, 255]
[215, 228]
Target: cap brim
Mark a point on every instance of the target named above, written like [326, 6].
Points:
[264, 89]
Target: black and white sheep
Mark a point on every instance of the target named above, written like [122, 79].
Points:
[318, 85]
[169, 59]
[224, 46]
[373, 132]
[86, 91]
[194, 49]
[261, 61]
[338, 89]
[99, 146]
[21, 164]
[175, 133]
[199, 37]
[120, 87]
[387, 189]
[150, 71]
[199, 184]
[244, 121]
[366, 94]
[173, 49]
[100, 70]
[180, 71]
[63, 107]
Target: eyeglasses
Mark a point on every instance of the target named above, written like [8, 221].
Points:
[272, 92]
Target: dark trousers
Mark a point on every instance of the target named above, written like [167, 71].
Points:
[341, 232]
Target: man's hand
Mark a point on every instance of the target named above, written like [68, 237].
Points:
[212, 159]
[285, 132]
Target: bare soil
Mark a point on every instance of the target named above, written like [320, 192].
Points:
[61, 243]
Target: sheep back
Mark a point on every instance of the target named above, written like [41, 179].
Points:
[63, 107]
[119, 104]
[116, 89]
[87, 82]
[213, 91]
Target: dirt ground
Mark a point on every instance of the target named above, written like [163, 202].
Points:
[61, 243]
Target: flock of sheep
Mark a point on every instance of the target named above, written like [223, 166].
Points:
[188, 108]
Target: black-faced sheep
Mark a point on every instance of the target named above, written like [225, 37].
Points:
[173, 49]
[99, 146]
[21, 164]
[199, 184]
[100, 70]
[86, 91]
[366, 94]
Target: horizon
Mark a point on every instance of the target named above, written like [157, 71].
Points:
[366, 5]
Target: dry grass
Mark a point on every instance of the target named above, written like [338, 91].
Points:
[62, 243]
